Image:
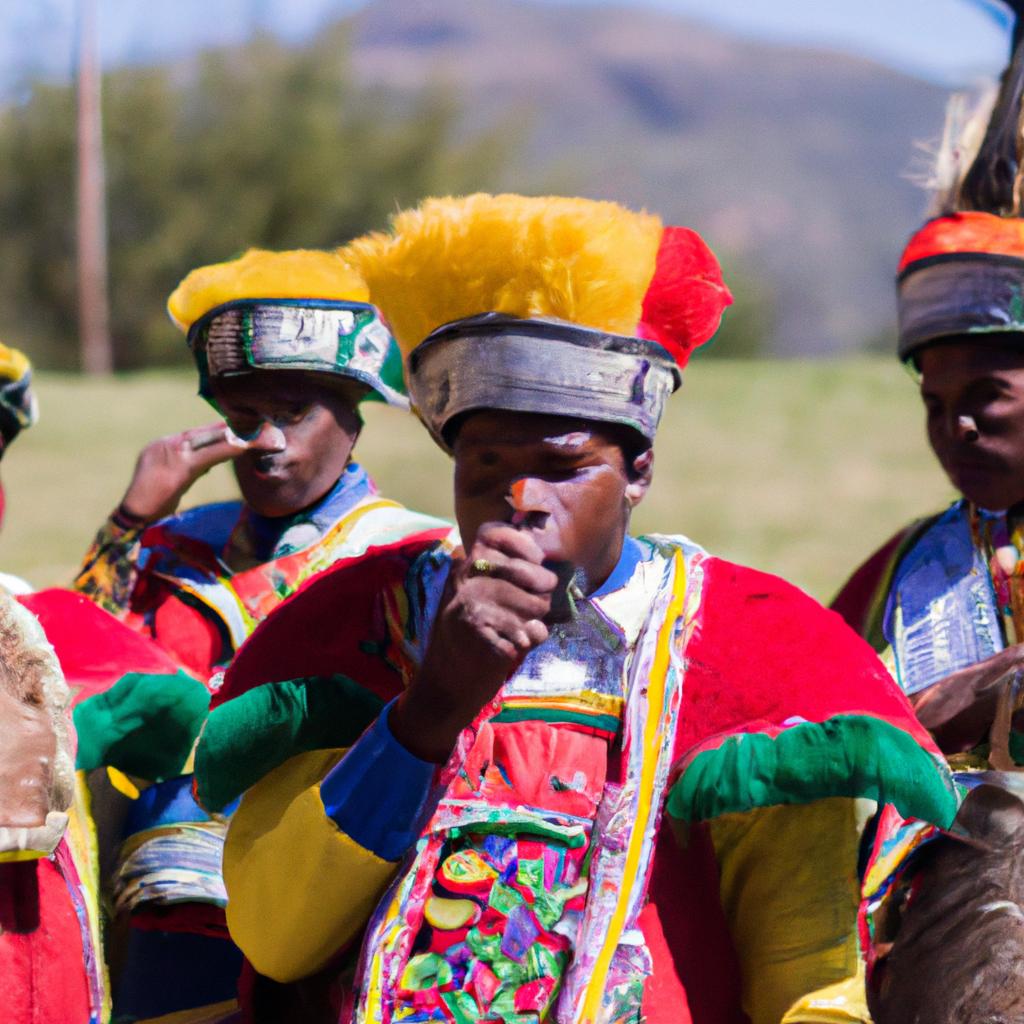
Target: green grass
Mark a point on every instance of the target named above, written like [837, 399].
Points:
[798, 468]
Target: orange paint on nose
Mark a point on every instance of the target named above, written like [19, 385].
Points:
[528, 494]
[517, 493]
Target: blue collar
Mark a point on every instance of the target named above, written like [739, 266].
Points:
[632, 555]
[352, 487]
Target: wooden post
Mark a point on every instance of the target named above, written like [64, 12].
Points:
[97, 356]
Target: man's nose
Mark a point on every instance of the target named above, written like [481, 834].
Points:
[965, 429]
[529, 499]
[270, 438]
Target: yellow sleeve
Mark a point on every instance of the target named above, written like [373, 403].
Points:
[790, 894]
[299, 889]
[109, 571]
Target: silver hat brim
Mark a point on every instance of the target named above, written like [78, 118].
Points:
[539, 367]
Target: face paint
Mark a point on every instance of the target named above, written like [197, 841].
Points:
[567, 488]
[298, 433]
[526, 498]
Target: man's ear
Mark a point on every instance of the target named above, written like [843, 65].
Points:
[640, 478]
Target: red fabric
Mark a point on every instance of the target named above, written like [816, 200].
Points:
[686, 297]
[763, 652]
[42, 978]
[696, 971]
[188, 631]
[189, 635]
[330, 624]
[194, 918]
[94, 648]
[971, 231]
[854, 600]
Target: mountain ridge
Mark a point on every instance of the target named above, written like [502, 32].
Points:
[790, 160]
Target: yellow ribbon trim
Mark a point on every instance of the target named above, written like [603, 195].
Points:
[588, 700]
[122, 783]
[652, 728]
[17, 856]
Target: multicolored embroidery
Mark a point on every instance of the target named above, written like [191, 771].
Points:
[498, 930]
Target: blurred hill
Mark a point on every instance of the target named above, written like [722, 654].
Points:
[792, 161]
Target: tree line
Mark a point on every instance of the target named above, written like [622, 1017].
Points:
[258, 145]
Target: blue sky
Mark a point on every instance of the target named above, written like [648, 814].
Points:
[953, 42]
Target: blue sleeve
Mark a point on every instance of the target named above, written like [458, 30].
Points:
[378, 791]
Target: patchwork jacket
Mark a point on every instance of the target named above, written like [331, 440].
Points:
[658, 816]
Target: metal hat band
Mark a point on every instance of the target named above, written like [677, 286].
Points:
[959, 293]
[346, 339]
[539, 366]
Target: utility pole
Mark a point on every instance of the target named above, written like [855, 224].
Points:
[97, 355]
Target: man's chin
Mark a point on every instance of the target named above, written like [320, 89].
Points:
[266, 501]
[986, 496]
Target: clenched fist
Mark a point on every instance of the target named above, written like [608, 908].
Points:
[491, 616]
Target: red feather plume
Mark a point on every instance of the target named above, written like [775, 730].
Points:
[686, 297]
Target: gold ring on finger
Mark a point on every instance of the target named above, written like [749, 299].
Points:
[481, 567]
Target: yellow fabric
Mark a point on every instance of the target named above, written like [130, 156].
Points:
[124, 784]
[261, 274]
[16, 856]
[299, 889]
[790, 893]
[13, 363]
[842, 1003]
[82, 844]
[574, 259]
[214, 1013]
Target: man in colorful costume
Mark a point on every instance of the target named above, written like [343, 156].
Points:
[616, 777]
[287, 347]
[943, 600]
[51, 966]
[945, 596]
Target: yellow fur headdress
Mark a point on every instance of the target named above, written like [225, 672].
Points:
[570, 259]
[262, 274]
[299, 310]
[612, 278]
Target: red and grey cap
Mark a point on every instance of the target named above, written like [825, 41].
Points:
[962, 274]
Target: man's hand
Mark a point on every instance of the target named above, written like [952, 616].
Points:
[959, 710]
[168, 467]
[490, 617]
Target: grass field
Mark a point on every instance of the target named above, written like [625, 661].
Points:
[798, 468]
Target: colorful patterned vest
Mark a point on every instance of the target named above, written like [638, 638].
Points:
[520, 901]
